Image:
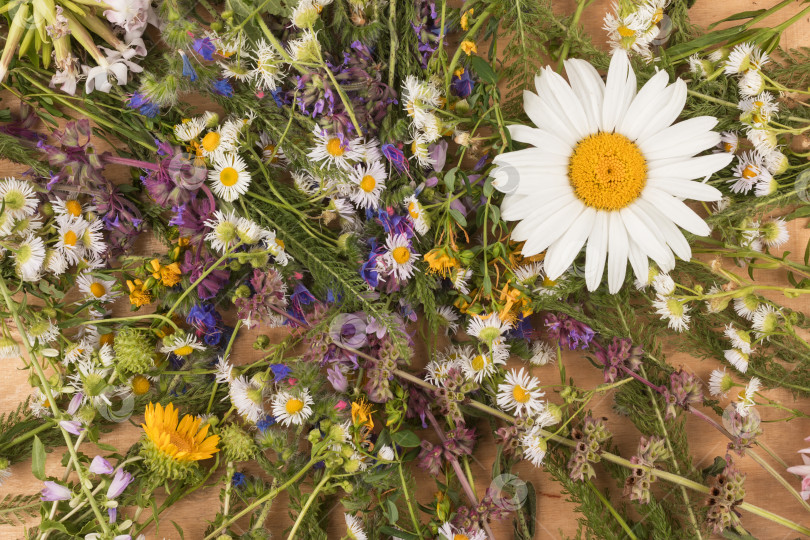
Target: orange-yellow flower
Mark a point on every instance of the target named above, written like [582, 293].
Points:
[361, 414]
[181, 441]
[440, 262]
[469, 47]
[465, 19]
[138, 296]
[168, 275]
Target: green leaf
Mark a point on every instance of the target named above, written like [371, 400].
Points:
[38, 459]
[458, 217]
[397, 533]
[407, 439]
[391, 511]
[483, 69]
[450, 178]
[738, 17]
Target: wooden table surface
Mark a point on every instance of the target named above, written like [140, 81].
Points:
[555, 516]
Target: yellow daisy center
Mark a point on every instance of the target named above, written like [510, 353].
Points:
[73, 208]
[520, 395]
[607, 171]
[368, 183]
[625, 31]
[228, 176]
[140, 385]
[728, 147]
[335, 147]
[182, 443]
[98, 289]
[548, 282]
[269, 149]
[280, 243]
[401, 255]
[70, 238]
[749, 172]
[185, 350]
[413, 210]
[461, 537]
[294, 406]
[479, 362]
[211, 141]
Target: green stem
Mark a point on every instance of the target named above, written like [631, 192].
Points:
[448, 77]
[312, 497]
[581, 4]
[101, 322]
[407, 494]
[613, 512]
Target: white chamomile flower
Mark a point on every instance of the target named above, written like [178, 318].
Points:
[304, 49]
[71, 230]
[369, 150]
[276, 247]
[729, 142]
[247, 395]
[774, 232]
[520, 392]
[82, 351]
[218, 142]
[386, 452]
[418, 98]
[420, 150]
[271, 152]
[354, 528]
[267, 73]
[96, 288]
[751, 83]
[29, 256]
[740, 339]
[27, 225]
[607, 162]
[369, 183]
[457, 355]
[224, 230]
[663, 284]
[535, 446]
[305, 14]
[292, 407]
[248, 231]
[542, 353]
[746, 396]
[18, 198]
[418, 215]
[749, 170]
[481, 365]
[720, 382]
[528, 274]
[775, 161]
[745, 306]
[190, 128]
[229, 177]
[437, 371]
[333, 150]
[182, 345]
[9, 349]
[700, 67]
[765, 142]
[448, 532]
[306, 182]
[745, 57]
[765, 321]
[448, 317]
[39, 404]
[460, 279]
[42, 331]
[92, 240]
[737, 358]
[106, 353]
[235, 69]
[674, 311]
[488, 328]
[398, 257]
[758, 110]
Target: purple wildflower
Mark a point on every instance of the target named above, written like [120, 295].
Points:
[568, 332]
[213, 282]
[99, 465]
[205, 48]
[620, 355]
[119, 483]
[267, 299]
[222, 87]
[55, 492]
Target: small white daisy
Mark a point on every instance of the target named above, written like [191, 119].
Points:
[218, 142]
[398, 258]
[765, 187]
[418, 215]
[369, 150]
[369, 183]
[758, 110]
[674, 311]
[332, 149]
[190, 128]
[535, 446]
[729, 142]
[420, 150]
[71, 230]
[740, 339]
[224, 230]
[720, 382]
[235, 69]
[749, 170]
[663, 284]
[520, 392]
[542, 353]
[386, 452]
[29, 256]
[267, 73]
[775, 161]
[751, 83]
[42, 331]
[745, 306]
[481, 365]
[460, 280]
[746, 396]
[271, 152]
[738, 359]
[354, 527]
[95, 288]
[304, 49]
[528, 274]
[418, 98]
[9, 349]
[229, 177]
[224, 371]
[448, 317]
[292, 408]
[488, 328]
[765, 321]
[18, 198]
[745, 57]
[249, 232]
[247, 395]
[448, 532]
[181, 344]
[437, 371]
[774, 232]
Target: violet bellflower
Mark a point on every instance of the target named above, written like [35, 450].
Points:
[55, 492]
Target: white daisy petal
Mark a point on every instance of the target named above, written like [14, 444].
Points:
[658, 145]
[620, 90]
[552, 228]
[589, 87]
[673, 98]
[596, 251]
[681, 214]
[638, 260]
[643, 106]
[562, 253]
[645, 237]
[617, 254]
[553, 88]
[544, 117]
[516, 207]
[686, 189]
[696, 167]
[541, 139]
[670, 232]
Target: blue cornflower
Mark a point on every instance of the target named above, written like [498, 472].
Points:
[205, 48]
[238, 480]
[188, 69]
[223, 88]
[265, 423]
[280, 371]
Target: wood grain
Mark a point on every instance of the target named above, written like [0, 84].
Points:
[555, 516]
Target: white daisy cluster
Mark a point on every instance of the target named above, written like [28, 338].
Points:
[73, 237]
[635, 25]
[421, 99]
[218, 144]
[741, 347]
[669, 306]
[490, 331]
[229, 230]
[260, 64]
[307, 12]
[772, 233]
[448, 531]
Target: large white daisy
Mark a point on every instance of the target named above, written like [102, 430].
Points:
[608, 168]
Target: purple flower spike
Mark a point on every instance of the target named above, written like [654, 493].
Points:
[55, 492]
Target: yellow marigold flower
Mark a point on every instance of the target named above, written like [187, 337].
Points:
[469, 47]
[181, 441]
[440, 262]
[138, 295]
[168, 275]
[361, 414]
[465, 19]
